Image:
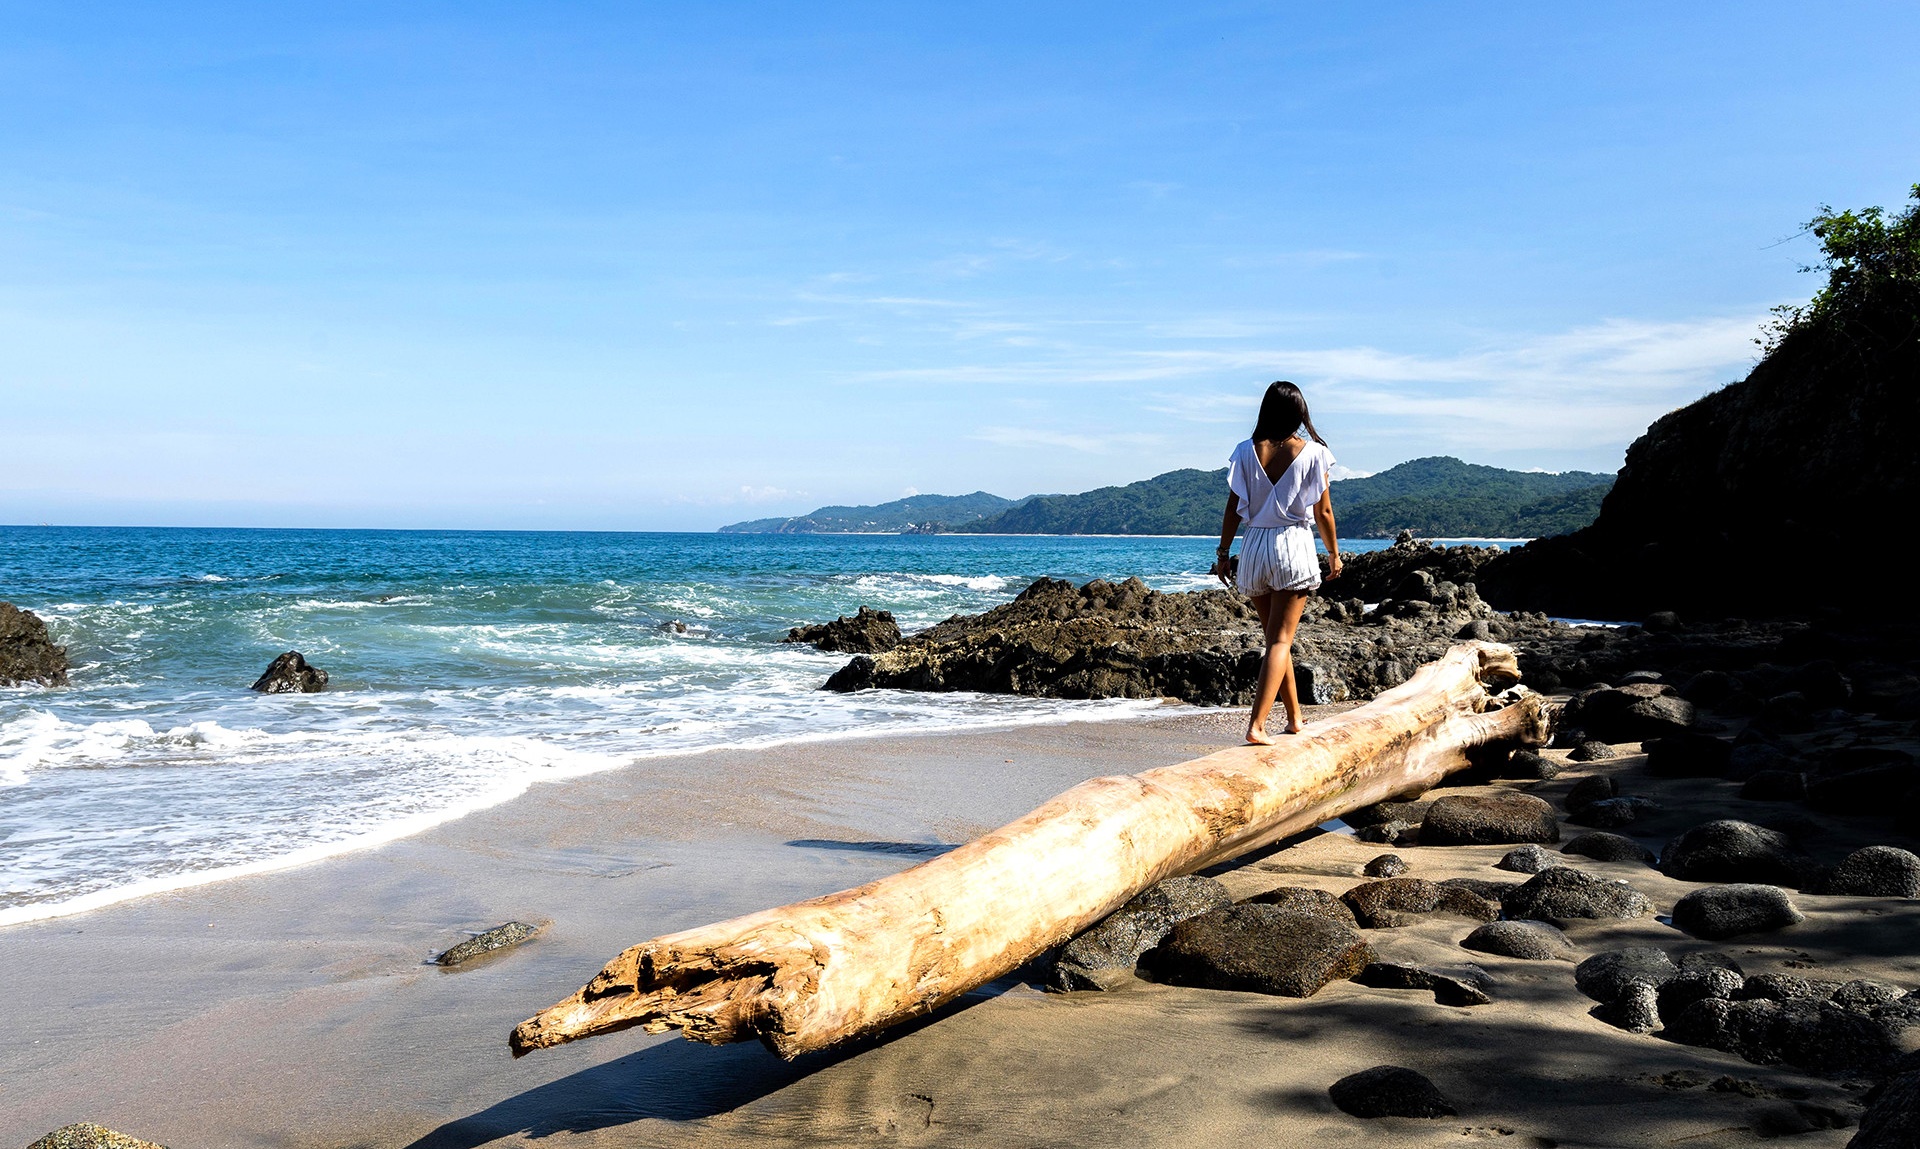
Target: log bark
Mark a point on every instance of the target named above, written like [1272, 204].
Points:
[805, 976]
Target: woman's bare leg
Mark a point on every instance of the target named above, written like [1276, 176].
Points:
[1279, 620]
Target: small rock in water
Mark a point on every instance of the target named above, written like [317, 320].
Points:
[1307, 900]
[1877, 872]
[1386, 866]
[1563, 893]
[868, 631]
[27, 653]
[290, 674]
[1529, 941]
[857, 674]
[1602, 977]
[1604, 847]
[87, 1135]
[1592, 751]
[498, 938]
[1262, 949]
[1389, 1091]
[1729, 911]
[1488, 820]
[1106, 953]
[1528, 859]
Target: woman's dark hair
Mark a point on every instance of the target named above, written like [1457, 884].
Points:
[1282, 412]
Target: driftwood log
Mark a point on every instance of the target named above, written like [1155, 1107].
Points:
[805, 976]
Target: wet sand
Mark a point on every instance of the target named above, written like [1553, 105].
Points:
[293, 1009]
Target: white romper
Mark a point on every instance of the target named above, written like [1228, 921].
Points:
[1277, 552]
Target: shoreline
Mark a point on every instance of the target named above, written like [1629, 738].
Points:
[1116, 710]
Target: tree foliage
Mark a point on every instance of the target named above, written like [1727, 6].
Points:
[1872, 262]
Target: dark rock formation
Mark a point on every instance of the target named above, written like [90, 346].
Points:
[1563, 894]
[27, 653]
[1876, 872]
[1604, 847]
[1462, 985]
[1636, 1009]
[1819, 1036]
[1389, 1091]
[1775, 786]
[1892, 1119]
[1612, 813]
[1262, 949]
[1585, 792]
[1108, 952]
[1394, 902]
[1530, 766]
[1592, 751]
[1729, 911]
[1386, 866]
[500, 937]
[290, 674]
[1603, 976]
[1631, 713]
[1528, 859]
[87, 1135]
[1812, 446]
[1307, 900]
[1693, 985]
[1488, 819]
[1530, 941]
[867, 632]
[1689, 754]
[1734, 851]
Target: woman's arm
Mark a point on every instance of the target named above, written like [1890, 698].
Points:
[1229, 523]
[1323, 518]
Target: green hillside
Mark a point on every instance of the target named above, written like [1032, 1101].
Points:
[895, 516]
[1433, 497]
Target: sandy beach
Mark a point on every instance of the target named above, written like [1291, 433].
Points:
[294, 1008]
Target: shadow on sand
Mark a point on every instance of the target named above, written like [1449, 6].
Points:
[912, 849]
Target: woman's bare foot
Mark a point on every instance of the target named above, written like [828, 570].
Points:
[1256, 736]
[1293, 728]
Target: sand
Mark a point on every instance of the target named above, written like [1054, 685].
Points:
[294, 1009]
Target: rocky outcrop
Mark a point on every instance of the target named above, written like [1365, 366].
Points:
[290, 674]
[1258, 948]
[1802, 458]
[869, 631]
[27, 652]
[1107, 953]
[490, 941]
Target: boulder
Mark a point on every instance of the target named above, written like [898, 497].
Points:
[1729, 911]
[1528, 859]
[1612, 813]
[1394, 902]
[1529, 765]
[27, 652]
[1892, 1119]
[1585, 792]
[1818, 1036]
[87, 1135]
[1260, 949]
[1563, 894]
[1108, 952]
[1529, 941]
[1604, 847]
[869, 631]
[1864, 995]
[1745, 760]
[1728, 850]
[1709, 688]
[1389, 1091]
[1463, 985]
[1633, 713]
[489, 941]
[1488, 819]
[1494, 892]
[1592, 751]
[1636, 1009]
[1876, 872]
[1785, 987]
[1603, 976]
[1386, 866]
[290, 674]
[1688, 754]
[857, 674]
[1691, 985]
[1307, 900]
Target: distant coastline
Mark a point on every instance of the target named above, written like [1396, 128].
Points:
[1438, 497]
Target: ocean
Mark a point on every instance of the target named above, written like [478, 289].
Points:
[465, 666]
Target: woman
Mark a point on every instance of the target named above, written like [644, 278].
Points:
[1278, 481]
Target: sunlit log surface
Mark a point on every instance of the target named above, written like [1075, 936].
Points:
[805, 976]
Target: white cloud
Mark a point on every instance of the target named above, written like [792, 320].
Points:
[1090, 444]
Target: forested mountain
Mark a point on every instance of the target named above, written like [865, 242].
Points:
[949, 510]
[1433, 497]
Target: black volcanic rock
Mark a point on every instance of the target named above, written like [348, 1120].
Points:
[1110, 949]
[869, 631]
[27, 653]
[290, 674]
[1262, 949]
[1389, 1091]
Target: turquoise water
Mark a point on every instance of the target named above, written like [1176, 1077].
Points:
[465, 666]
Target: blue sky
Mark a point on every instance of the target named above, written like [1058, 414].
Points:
[666, 267]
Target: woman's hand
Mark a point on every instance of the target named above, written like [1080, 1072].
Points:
[1222, 569]
[1333, 566]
